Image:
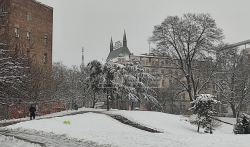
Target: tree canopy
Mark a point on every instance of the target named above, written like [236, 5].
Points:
[189, 39]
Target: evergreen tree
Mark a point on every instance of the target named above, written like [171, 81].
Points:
[127, 81]
[202, 108]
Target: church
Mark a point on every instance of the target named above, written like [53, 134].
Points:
[119, 52]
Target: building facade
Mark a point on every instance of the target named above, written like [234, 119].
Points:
[27, 27]
[25, 40]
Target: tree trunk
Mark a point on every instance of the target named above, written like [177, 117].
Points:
[94, 101]
[189, 90]
[132, 105]
[234, 110]
[107, 101]
[198, 130]
[211, 132]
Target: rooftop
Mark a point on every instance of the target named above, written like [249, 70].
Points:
[118, 53]
[43, 4]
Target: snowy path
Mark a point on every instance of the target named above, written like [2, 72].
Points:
[48, 139]
[59, 114]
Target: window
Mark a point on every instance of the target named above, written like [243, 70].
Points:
[146, 62]
[170, 72]
[45, 58]
[162, 71]
[2, 9]
[183, 96]
[28, 35]
[208, 85]
[28, 16]
[28, 52]
[214, 86]
[156, 63]
[182, 107]
[162, 63]
[163, 83]
[16, 32]
[45, 39]
[176, 72]
[170, 82]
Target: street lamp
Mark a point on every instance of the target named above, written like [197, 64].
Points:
[109, 77]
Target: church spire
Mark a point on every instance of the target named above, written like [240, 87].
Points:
[124, 39]
[111, 45]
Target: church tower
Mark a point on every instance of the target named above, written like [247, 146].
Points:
[111, 45]
[124, 39]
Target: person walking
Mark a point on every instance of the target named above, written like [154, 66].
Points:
[32, 112]
[245, 125]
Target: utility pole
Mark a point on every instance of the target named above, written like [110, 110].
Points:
[149, 48]
[109, 77]
[82, 56]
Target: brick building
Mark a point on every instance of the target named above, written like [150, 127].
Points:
[27, 27]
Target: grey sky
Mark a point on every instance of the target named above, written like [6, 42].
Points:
[91, 23]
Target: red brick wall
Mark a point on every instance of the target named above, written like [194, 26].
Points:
[22, 110]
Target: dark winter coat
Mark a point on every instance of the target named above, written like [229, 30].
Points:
[32, 109]
[244, 121]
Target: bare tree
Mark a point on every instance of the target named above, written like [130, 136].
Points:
[187, 41]
[233, 80]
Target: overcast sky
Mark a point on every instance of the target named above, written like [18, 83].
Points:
[91, 23]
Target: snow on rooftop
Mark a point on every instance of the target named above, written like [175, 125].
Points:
[43, 4]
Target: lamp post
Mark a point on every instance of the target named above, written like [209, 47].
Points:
[109, 77]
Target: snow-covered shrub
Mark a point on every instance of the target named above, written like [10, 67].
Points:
[238, 127]
[202, 110]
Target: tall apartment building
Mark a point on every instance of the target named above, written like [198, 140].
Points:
[25, 39]
[26, 27]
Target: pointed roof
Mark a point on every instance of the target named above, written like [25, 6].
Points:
[122, 51]
[124, 39]
[111, 45]
[118, 52]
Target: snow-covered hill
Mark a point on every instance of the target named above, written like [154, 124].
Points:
[103, 129]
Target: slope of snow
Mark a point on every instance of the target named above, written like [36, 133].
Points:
[164, 122]
[6, 141]
[169, 123]
[105, 130]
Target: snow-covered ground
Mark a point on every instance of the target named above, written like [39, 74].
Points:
[7, 141]
[104, 130]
